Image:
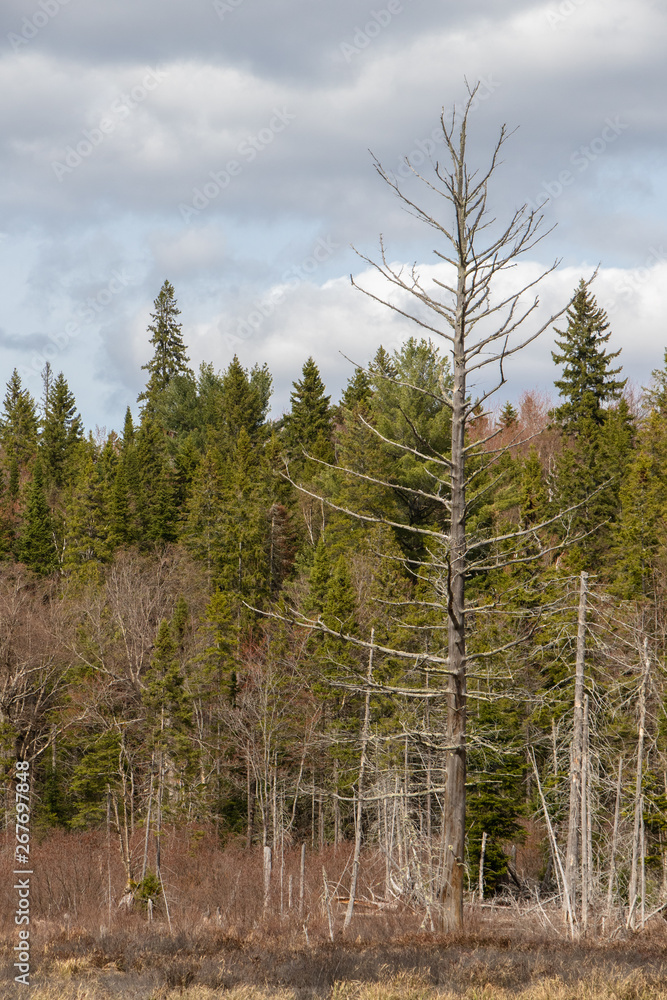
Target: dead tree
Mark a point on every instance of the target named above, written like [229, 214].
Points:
[482, 328]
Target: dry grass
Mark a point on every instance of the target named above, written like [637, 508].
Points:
[224, 942]
[403, 987]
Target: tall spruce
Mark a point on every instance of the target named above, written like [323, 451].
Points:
[62, 431]
[308, 425]
[588, 381]
[169, 358]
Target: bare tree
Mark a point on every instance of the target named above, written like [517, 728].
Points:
[460, 304]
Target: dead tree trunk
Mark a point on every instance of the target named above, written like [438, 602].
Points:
[638, 819]
[365, 737]
[574, 819]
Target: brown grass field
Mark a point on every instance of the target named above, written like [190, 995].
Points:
[226, 941]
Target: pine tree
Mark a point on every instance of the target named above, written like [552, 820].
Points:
[203, 527]
[18, 424]
[128, 429]
[156, 493]
[308, 425]
[320, 574]
[243, 404]
[508, 415]
[86, 525]
[169, 358]
[37, 547]
[169, 712]
[358, 391]
[587, 382]
[62, 431]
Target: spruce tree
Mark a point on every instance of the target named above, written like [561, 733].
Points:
[169, 358]
[358, 391]
[18, 424]
[308, 425]
[243, 403]
[37, 547]
[62, 431]
[587, 382]
[86, 519]
[156, 493]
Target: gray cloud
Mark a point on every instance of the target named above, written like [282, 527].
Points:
[99, 158]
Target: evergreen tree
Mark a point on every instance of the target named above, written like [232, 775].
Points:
[170, 713]
[37, 547]
[169, 357]
[86, 526]
[320, 574]
[308, 425]
[508, 415]
[62, 431]
[128, 429]
[243, 404]
[203, 527]
[587, 382]
[358, 391]
[156, 494]
[18, 424]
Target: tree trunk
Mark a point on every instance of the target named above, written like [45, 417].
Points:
[614, 838]
[637, 826]
[574, 821]
[451, 893]
[585, 824]
[365, 736]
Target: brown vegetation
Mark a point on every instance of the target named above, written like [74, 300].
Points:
[226, 938]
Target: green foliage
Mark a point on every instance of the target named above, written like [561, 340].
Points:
[62, 431]
[308, 426]
[169, 358]
[587, 382]
[18, 427]
[37, 547]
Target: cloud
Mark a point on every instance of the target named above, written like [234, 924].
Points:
[98, 157]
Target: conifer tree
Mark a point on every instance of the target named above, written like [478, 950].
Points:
[156, 495]
[358, 391]
[243, 558]
[243, 403]
[320, 574]
[128, 429]
[170, 710]
[169, 358]
[86, 527]
[203, 527]
[37, 547]
[308, 425]
[62, 431]
[18, 424]
[587, 382]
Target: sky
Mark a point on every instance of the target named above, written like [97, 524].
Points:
[227, 146]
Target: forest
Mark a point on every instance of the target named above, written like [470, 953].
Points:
[272, 637]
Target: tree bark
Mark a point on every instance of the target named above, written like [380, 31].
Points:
[365, 737]
[574, 819]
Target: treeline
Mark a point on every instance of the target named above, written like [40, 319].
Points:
[222, 619]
